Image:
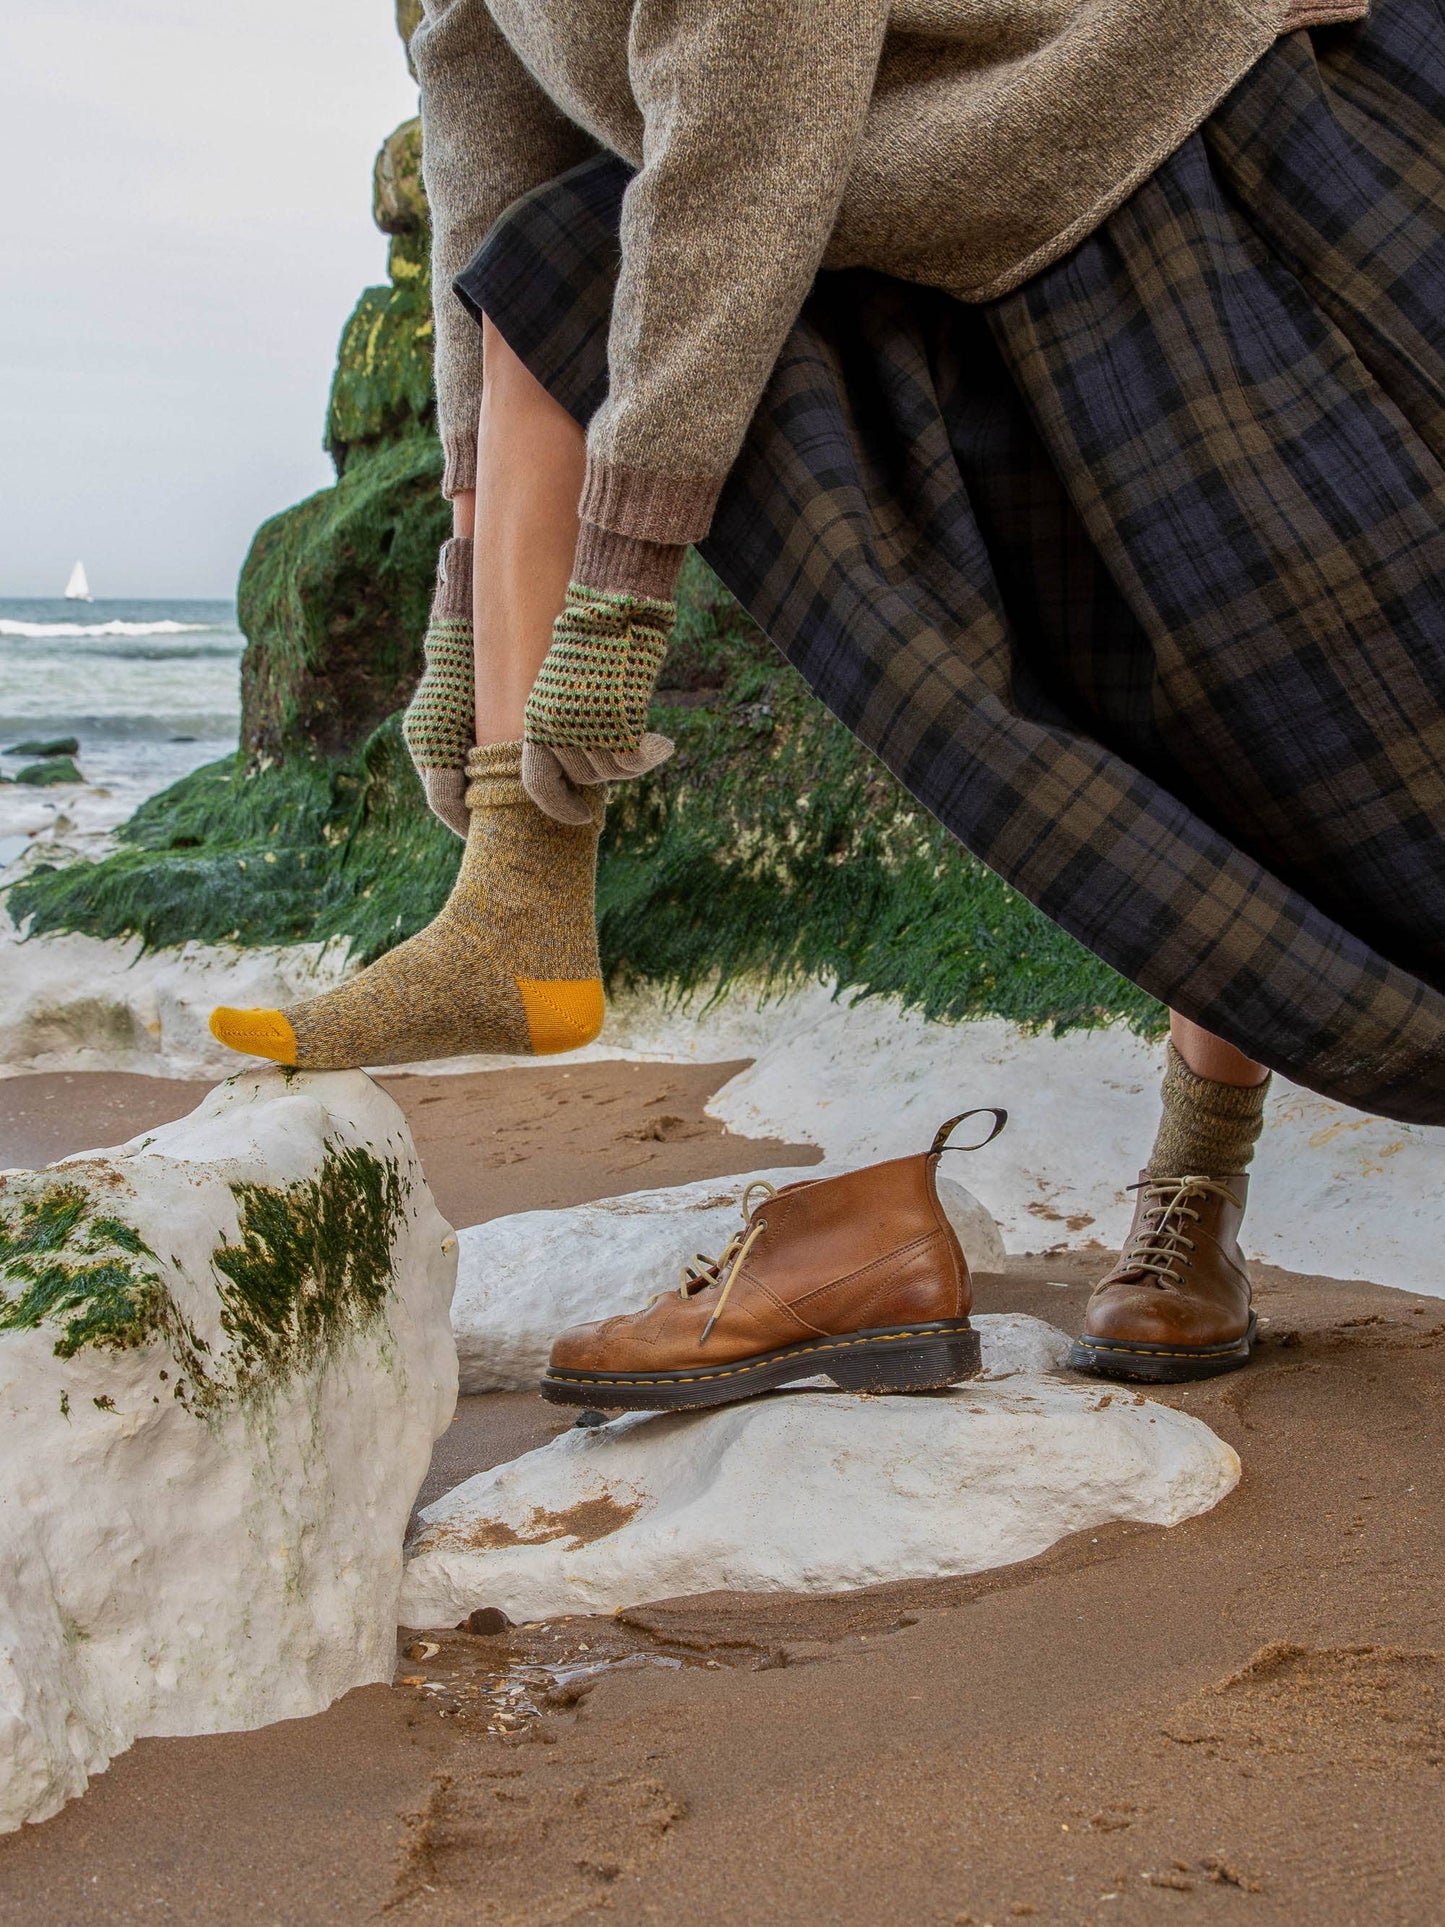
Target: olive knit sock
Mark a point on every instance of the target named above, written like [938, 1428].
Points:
[1208, 1129]
[440, 721]
[586, 721]
[509, 963]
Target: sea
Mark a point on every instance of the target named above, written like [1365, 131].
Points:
[149, 689]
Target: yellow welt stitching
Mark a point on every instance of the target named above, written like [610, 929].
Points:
[701, 1378]
[1132, 1351]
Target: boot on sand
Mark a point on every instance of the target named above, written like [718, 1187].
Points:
[1177, 1304]
[508, 965]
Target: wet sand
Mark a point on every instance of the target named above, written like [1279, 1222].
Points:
[519, 1139]
[1240, 1718]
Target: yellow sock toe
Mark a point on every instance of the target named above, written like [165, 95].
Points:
[260, 1033]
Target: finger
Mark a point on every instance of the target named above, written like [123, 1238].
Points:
[545, 781]
[445, 789]
[586, 766]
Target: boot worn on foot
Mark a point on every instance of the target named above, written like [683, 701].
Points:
[859, 1277]
[509, 964]
[1177, 1304]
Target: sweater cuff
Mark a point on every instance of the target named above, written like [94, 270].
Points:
[1322, 13]
[459, 471]
[669, 509]
[625, 564]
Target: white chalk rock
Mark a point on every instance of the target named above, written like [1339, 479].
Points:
[810, 1492]
[1011, 1341]
[74, 1003]
[524, 1278]
[224, 1356]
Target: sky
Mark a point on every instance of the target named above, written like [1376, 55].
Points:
[188, 225]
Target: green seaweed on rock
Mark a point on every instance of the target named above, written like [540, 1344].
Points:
[311, 1260]
[73, 1266]
[771, 848]
[256, 853]
[333, 599]
[382, 390]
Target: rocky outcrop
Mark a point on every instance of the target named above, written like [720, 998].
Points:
[398, 199]
[522, 1279]
[334, 599]
[224, 1355]
[810, 1492]
[334, 593]
[408, 19]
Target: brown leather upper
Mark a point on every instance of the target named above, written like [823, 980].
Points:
[852, 1253]
[1181, 1278]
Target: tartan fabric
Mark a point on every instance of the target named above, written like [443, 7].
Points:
[1136, 578]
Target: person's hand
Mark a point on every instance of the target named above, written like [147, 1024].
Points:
[586, 719]
[439, 725]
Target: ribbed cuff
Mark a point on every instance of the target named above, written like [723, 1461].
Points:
[459, 471]
[1323, 14]
[626, 565]
[453, 596]
[669, 509]
[1207, 1129]
[494, 776]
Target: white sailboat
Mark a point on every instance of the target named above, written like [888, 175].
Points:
[78, 589]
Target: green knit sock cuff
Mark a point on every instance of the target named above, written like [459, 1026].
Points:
[440, 722]
[596, 681]
[1208, 1129]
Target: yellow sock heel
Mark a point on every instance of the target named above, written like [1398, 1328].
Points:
[562, 1016]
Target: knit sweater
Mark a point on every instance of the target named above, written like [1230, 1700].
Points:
[961, 144]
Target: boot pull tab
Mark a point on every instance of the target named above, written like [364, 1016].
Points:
[946, 1130]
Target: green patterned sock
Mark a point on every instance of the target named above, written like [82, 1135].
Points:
[440, 722]
[596, 681]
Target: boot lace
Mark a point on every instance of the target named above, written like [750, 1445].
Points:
[700, 1272]
[1161, 1244]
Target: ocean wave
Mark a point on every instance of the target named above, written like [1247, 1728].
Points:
[58, 631]
[107, 732]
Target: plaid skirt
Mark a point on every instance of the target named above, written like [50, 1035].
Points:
[1136, 577]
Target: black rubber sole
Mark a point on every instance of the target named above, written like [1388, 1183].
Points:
[894, 1358]
[1160, 1364]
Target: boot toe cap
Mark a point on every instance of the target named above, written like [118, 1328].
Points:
[584, 1348]
[1137, 1314]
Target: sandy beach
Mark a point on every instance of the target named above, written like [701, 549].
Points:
[498, 1141]
[1243, 1716]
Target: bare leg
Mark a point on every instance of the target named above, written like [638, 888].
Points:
[1209, 1056]
[530, 461]
[510, 962]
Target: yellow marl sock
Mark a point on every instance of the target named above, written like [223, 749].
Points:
[509, 963]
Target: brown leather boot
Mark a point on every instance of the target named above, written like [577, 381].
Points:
[859, 1277]
[1176, 1305]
